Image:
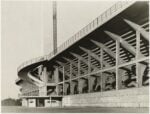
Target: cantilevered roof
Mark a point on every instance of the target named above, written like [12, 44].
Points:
[111, 20]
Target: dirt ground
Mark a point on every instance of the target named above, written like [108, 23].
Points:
[15, 109]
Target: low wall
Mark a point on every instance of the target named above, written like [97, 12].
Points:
[32, 102]
[133, 97]
[24, 102]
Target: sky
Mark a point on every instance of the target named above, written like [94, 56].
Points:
[26, 32]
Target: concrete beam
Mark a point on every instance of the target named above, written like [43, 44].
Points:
[66, 73]
[124, 68]
[72, 62]
[85, 61]
[60, 63]
[137, 27]
[124, 43]
[106, 49]
[94, 55]
[37, 81]
[111, 53]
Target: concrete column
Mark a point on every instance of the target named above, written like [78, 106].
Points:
[140, 68]
[118, 79]
[40, 69]
[72, 87]
[89, 71]
[80, 85]
[79, 63]
[63, 80]
[104, 81]
[70, 77]
[56, 75]
[50, 99]
[138, 65]
[91, 78]
[101, 74]
[44, 75]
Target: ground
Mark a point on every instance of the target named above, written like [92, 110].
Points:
[15, 109]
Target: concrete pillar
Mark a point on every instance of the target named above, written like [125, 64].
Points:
[70, 78]
[104, 76]
[56, 75]
[72, 84]
[140, 68]
[40, 69]
[80, 85]
[63, 80]
[121, 78]
[89, 71]
[91, 82]
[44, 75]
[118, 79]
[50, 99]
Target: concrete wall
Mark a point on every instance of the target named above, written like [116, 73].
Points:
[32, 102]
[133, 97]
[47, 103]
[27, 87]
[43, 91]
[24, 102]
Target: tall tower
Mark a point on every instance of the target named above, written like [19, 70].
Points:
[54, 27]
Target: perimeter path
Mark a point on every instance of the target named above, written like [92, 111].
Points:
[15, 109]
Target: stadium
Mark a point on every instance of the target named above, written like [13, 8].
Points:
[105, 64]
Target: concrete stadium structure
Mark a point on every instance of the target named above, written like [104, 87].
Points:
[105, 64]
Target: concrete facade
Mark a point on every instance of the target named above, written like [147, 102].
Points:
[47, 103]
[31, 102]
[24, 102]
[108, 67]
[137, 97]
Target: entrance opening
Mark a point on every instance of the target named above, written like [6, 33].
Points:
[40, 103]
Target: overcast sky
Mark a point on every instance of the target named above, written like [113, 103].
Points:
[27, 31]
